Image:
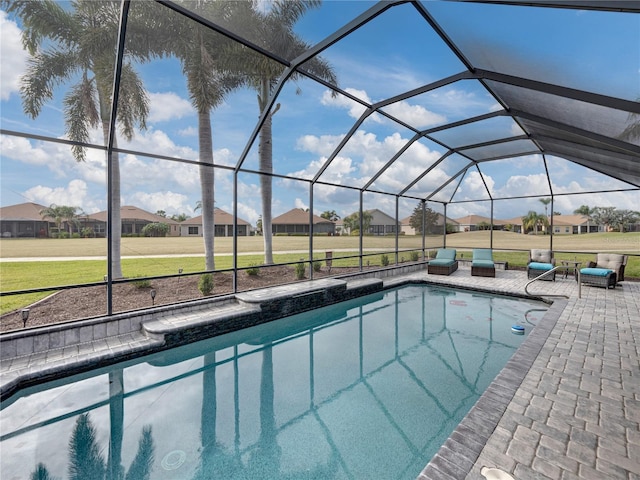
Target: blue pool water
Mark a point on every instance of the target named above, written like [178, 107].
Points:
[368, 388]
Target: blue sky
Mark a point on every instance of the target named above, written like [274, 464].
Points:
[394, 53]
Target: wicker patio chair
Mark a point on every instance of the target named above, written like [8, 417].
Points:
[606, 271]
[541, 261]
[445, 262]
[482, 264]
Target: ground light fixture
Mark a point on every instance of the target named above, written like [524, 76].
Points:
[152, 292]
[25, 317]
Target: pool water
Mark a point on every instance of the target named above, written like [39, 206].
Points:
[368, 388]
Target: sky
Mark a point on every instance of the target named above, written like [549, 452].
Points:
[394, 53]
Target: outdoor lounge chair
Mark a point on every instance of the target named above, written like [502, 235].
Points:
[482, 264]
[606, 271]
[445, 262]
[541, 261]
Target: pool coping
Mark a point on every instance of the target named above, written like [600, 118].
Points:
[455, 458]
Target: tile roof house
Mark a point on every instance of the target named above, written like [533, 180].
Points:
[223, 221]
[24, 220]
[133, 220]
[570, 224]
[296, 222]
[471, 223]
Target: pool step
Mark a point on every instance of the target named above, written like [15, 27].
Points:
[185, 327]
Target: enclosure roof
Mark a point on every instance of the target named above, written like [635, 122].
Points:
[572, 97]
[449, 101]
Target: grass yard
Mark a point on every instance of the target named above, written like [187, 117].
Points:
[24, 262]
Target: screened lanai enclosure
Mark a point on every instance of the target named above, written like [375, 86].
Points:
[422, 113]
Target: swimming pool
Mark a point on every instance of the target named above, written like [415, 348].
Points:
[368, 388]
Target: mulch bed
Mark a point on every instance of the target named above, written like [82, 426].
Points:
[88, 302]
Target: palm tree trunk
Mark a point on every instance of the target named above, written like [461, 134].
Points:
[205, 143]
[116, 217]
[116, 417]
[265, 153]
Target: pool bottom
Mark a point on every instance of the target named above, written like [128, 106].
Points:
[457, 456]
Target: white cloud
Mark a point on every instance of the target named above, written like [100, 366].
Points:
[21, 149]
[415, 115]
[14, 57]
[298, 203]
[340, 101]
[170, 202]
[168, 106]
[188, 132]
[322, 145]
[247, 213]
[73, 194]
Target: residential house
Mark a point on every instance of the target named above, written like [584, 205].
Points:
[223, 225]
[296, 222]
[434, 229]
[24, 220]
[572, 224]
[471, 223]
[133, 220]
[513, 224]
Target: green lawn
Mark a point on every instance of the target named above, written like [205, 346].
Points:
[186, 254]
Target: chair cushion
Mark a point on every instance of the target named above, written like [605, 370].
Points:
[540, 266]
[446, 254]
[482, 263]
[441, 261]
[482, 254]
[598, 272]
[609, 260]
[540, 256]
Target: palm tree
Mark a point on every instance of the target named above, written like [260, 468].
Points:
[79, 44]
[86, 462]
[273, 31]
[545, 202]
[53, 212]
[532, 220]
[41, 473]
[330, 215]
[200, 52]
[61, 214]
[587, 212]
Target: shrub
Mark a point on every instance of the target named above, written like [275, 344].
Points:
[317, 265]
[142, 283]
[155, 230]
[300, 270]
[205, 284]
[253, 270]
[414, 256]
[75, 235]
[384, 260]
[87, 232]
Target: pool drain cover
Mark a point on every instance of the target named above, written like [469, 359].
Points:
[173, 460]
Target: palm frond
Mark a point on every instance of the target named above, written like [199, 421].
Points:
[141, 466]
[43, 19]
[44, 71]
[133, 104]
[288, 12]
[85, 462]
[81, 113]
